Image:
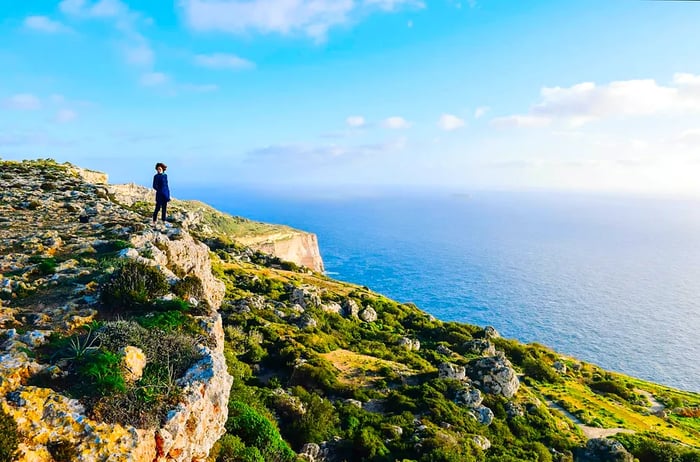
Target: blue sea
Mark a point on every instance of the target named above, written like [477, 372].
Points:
[610, 280]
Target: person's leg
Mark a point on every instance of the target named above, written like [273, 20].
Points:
[155, 214]
[165, 206]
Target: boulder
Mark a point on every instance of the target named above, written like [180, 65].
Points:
[350, 308]
[368, 314]
[452, 371]
[480, 347]
[491, 332]
[470, 397]
[605, 450]
[481, 442]
[494, 375]
[409, 344]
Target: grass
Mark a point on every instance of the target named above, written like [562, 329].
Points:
[362, 370]
[595, 408]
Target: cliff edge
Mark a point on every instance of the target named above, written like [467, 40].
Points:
[285, 243]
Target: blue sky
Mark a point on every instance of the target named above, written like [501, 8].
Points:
[596, 95]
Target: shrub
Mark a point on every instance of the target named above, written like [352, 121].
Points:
[103, 371]
[62, 451]
[9, 439]
[189, 286]
[230, 448]
[610, 386]
[134, 285]
[257, 431]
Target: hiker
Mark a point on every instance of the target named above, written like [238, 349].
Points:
[160, 184]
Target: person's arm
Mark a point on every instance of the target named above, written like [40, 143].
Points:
[157, 183]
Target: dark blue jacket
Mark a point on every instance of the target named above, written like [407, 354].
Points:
[160, 184]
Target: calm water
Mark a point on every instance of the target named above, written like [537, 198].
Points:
[614, 281]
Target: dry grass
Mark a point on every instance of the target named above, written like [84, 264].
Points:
[362, 370]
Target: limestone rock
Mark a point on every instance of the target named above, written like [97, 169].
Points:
[470, 397]
[494, 375]
[481, 442]
[350, 308]
[409, 344]
[484, 415]
[452, 371]
[134, 360]
[368, 314]
[491, 332]
[480, 347]
[605, 450]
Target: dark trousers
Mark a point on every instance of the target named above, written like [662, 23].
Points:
[160, 206]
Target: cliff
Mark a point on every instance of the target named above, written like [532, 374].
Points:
[59, 233]
[299, 247]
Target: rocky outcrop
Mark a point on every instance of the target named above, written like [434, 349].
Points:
[285, 243]
[295, 246]
[605, 450]
[70, 213]
[494, 375]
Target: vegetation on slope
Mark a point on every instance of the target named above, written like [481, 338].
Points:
[358, 391]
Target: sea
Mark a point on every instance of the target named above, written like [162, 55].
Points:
[612, 280]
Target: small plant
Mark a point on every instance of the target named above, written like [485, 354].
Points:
[189, 286]
[62, 451]
[134, 285]
[9, 439]
[103, 371]
[79, 347]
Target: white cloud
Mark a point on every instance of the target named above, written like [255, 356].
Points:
[449, 122]
[140, 54]
[309, 17]
[199, 88]
[356, 121]
[22, 102]
[393, 5]
[586, 102]
[45, 24]
[65, 115]
[99, 9]
[396, 123]
[223, 61]
[152, 79]
[481, 111]
[526, 121]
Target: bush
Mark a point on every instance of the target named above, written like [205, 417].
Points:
[612, 387]
[257, 431]
[9, 439]
[189, 286]
[134, 285]
[230, 448]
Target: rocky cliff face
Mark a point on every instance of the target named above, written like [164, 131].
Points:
[288, 244]
[53, 224]
[298, 247]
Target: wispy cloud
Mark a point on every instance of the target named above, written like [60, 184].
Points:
[481, 111]
[22, 102]
[313, 18]
[449, 122]
[46, 25]
[65, 115]
[223, 61]
[152, 79]
[396, 123]
[356, 121]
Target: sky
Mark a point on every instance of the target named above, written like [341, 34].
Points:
[582, 95]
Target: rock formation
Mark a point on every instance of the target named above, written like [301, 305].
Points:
[47, 203]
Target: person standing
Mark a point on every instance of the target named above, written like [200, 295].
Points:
[160, 184]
